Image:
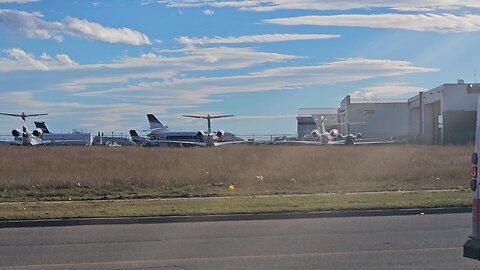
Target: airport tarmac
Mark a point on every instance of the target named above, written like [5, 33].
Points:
[380, 242]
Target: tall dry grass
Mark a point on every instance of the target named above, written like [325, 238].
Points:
[132, 171]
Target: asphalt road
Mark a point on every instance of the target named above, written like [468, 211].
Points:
[392, 242]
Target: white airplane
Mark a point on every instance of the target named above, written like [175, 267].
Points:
[333, 137]
[24, 137]
[322, 136]
[74, 138]
[161, 135]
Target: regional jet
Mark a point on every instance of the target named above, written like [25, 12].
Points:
[24, 137]
[161, 135]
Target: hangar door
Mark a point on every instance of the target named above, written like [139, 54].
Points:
[433, 131]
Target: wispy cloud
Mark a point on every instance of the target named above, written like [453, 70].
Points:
[416, 22]
[199, 90]
[208, 12]
[18, 1]
[272, 5]
[254, 38]
[151, 82]
[32, 25]
[22, 61]
[192, 59]
[386, 90]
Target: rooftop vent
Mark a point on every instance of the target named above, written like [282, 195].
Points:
[460, 81]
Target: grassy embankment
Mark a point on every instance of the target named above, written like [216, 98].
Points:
[32, 175]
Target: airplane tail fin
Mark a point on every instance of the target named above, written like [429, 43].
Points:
[154, 122]
[42, 126]
[133, 133]
[136, 138]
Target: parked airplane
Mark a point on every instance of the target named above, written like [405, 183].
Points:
[333, 137]
[137, 139]
[74, 138]
[24, 137]
[349, 138]
[322, 136]
[161, 135]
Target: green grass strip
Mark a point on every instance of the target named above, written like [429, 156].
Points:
[233, 205]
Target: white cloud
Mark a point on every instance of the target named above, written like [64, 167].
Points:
[96, 31]
[208, 12]
[156, 83]
[26, 60]
[254, 38]
[386, 90]
[65, 59]
[419, 22]
[31, 25]
[148, 55]
[21, 61]
[193, 59]
[272, 5]
[18, 1]
[199, 90]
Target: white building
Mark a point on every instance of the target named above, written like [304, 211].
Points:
[309, 119]
[445, 114]
[374, 118]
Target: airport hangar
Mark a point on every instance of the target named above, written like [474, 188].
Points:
[446, 114]
[443, 115]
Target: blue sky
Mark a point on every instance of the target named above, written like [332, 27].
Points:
[103, 65]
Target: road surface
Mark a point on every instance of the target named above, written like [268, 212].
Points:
[389, 242]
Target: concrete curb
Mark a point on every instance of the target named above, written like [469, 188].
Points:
[233, 217]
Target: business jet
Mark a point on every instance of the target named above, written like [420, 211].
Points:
[321, 136]
[24, 137]
[161, 135]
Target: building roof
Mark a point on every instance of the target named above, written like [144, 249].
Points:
[308, 112]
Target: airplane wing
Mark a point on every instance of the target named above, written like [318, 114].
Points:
[36, 114]
[11, 114]
[179, 143]
[206, 117]
[221, 116]
[374, 142]
[340, 142]
[6, 142]
[297, 142]
[190, 143]
[194, 116]
[232, 142]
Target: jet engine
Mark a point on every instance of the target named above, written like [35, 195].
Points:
[315, 133]
[334, 133]
[37, 132]
[16, 133]
[220, 134]
[200, 135]
[358, 136]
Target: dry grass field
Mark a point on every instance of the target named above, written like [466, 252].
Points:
[84, 173]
